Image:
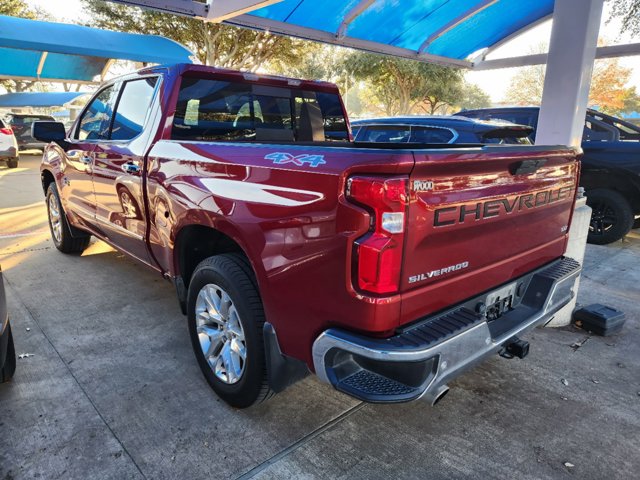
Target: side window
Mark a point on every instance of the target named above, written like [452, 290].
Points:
[384, 134]
[213, 110]
[431, 135]
[133, 108]
[94, 123]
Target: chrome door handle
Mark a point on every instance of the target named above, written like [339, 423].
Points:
[130, 168]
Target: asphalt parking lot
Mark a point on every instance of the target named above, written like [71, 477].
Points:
[111, 388]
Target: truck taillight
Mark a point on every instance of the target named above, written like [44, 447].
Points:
[6, 131]
[379, 252]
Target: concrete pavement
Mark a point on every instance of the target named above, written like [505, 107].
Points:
[113, 390]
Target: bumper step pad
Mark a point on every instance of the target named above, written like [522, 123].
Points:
[370, 383]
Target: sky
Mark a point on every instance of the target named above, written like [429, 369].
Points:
[494, 82]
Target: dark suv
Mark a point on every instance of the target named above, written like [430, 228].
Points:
[21, 126]
[438, 129]
[610, 167]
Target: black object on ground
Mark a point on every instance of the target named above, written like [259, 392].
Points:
[599, 319]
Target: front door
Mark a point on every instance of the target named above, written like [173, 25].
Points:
[76, 187]
[118, 170]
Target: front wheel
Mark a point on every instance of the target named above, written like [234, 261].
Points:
[12, 162]
[611, 218]
[60, 228]
[226, 318]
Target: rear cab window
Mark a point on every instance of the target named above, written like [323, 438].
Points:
[209, 109]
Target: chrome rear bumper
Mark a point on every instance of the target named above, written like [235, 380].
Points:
[423, 357]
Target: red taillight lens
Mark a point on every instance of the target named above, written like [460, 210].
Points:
[6, 131]
[379, 252]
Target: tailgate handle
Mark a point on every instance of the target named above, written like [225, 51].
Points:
[526, 166]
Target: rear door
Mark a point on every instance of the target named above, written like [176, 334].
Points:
[476, 220]
[118, 169]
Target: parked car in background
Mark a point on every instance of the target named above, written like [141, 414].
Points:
[7, 350]
[8, 145]
[438, 129]
[21, 126]
[610, 167]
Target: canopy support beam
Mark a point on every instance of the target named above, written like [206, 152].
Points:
[351, 15]
[212, 10]
[454, 23]
[610, 51]
[43, 58]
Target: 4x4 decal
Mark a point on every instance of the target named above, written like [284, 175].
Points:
[280, 158]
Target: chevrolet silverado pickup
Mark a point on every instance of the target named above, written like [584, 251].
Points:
[386, 270]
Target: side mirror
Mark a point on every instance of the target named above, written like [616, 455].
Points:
[50, 132]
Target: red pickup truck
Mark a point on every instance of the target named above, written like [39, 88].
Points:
[385, 269]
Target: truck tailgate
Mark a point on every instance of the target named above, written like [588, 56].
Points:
[478, 219]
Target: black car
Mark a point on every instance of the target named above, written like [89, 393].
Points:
[21, 126]
[438, 130]
[7, 350]
[610, 167]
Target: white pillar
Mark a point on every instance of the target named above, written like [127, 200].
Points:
[572, 50]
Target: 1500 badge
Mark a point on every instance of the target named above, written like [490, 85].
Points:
[436, 273]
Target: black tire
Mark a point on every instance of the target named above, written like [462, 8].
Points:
[612, 217]
[67, 242]
[9, 368]
[233, 274]
[13, 162]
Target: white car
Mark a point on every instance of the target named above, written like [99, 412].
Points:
[8, 145]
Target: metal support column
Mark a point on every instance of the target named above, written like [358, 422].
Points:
[572, 50]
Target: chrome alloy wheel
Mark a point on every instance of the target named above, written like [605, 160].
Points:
[220, 333]
[54, 219]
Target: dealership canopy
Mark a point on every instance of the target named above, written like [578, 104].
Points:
[35, 50]
[440, 31]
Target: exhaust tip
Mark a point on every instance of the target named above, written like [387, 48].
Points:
[442, 391]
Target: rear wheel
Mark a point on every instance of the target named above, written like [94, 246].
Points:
[226, 318]
[60, 228]
[612, 217]
[12, 162]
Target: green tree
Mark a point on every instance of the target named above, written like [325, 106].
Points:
[399, 86]
[213, 44]
[473, 97]
[628, 11]
[17, 8]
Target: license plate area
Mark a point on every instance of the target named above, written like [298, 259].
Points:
[500, 302]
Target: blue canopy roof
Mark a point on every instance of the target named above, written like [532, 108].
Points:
[39, 99]
[48, 51]
[431, 30]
